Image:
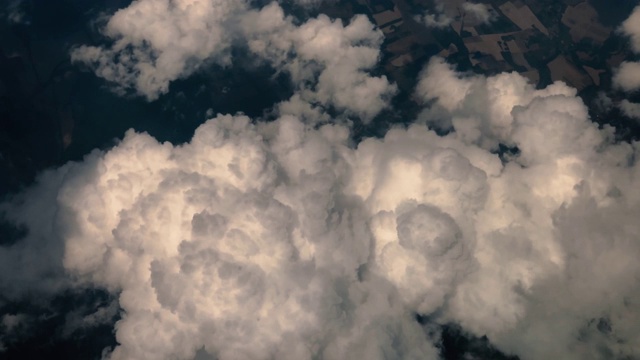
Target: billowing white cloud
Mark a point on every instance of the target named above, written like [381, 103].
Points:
[542, 284]
[479, 108]
[286, 240]
[627, 76]
[327, 50]
[286, 237]
[156, 42]
[244, 236]
[631, 28]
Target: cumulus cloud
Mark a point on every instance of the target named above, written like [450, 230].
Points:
[627, 76]
[156, 42]
[327, 50]
[481, 13]
[437, 19]
[291, 238]
[630, 109]
[631, 28]
[566, 166]
[445, 13]
[245, 235]
[479, 108]
[288, 237]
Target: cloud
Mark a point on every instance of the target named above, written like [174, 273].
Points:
[286, 237]
[157, 42]
[438, 19]
[327, 50]
[479, 108]
[627, 76]
[481, 13]
[542, 277]
[631, 28]
[445, 13]
[630, 109]
[311, 3]
[229, 240]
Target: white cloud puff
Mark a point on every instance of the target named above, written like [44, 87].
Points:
[326, 59]
[478, 12]
[481, 109]
[627, 76]
[538, 279]
[156, 42]
[631, 28]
